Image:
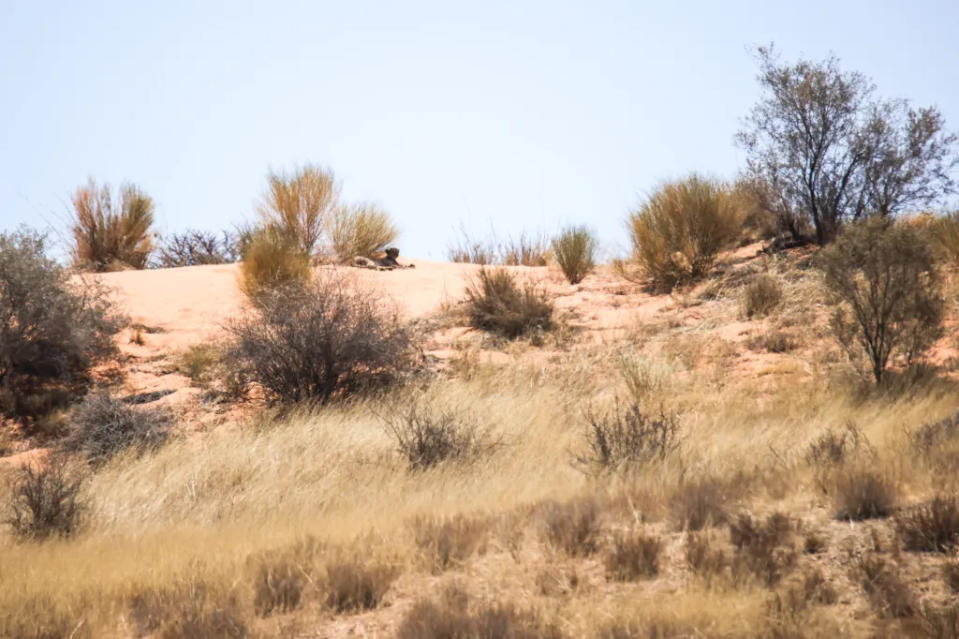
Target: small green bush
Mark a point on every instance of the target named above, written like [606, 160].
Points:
[574, 250]
[272, 260]
[761, 296]
[360, 230]
[678, 232]
[111, 232]
[495, 302]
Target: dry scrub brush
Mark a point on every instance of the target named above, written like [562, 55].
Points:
[360, 230]
[111, 231]
[102, 426]
[300, 203]
[575, 251]
[272, 260]
[193, 248]
[497, 303]
[324, 340]
[53, 329]
[45, 501]
[678, 232]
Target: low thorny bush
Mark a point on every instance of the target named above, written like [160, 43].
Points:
[575, 251]
[327, 340]
[103, 425]
[497, 303]
[53, 328]
[194, 248]
[45, 501]
[428, 434]
[930, 527]
[627, 437]
[633, 555]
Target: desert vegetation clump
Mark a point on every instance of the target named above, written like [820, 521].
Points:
[762, 548]
[329, 339]
[194, 248]
[887, 282]
[361, 229]
[497, 303]
[930, 527]
[427, 434]
[53, 329]
[45, 501]
[103, 425]
[571, 526]
[944, 234]
[111, 231]
[886, 589]
[455, 617]
[448, 541]
[761, 296]
[353, 584]
[862, 493]
[628, 437]
[272, 260]
[632, 556]
[524, 250]
[702, 502]
[575, 251]
[188, 607]
[678, 232]
[300, 204]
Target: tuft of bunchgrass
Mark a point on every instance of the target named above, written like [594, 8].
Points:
[864, 494]
[930, 527]
[111, 231]
[575, 251]
[627, 438]
[272, 260]
[497, 303]
[761, 296]
[427, 434]
[300, 204]
[360, 230]
[632, 556]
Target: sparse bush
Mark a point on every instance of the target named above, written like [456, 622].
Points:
[111, 232]
[944, 233]
[571, 526]
[495, 302]
[574, 250]
[427, 435]
[280, 578]
[194, 248]
[633, 556]
[928, 438]
[931, 527]
[452, 619]
[360, 230]
[103, 425]
[762, 548]
[678, 232]
[761, 296]
[832, 449]
[272, 260]
[449, 541]
[199, 361]
[327, 340]
[300, 204]
[644, 377]
[628, 437]
[53, 329]
[468, 251]
[188, 609]
[950, 574]
[887, 279]
[703, 558]
[526, 250]
[864, 494]
[45, 502]
[701, 502]
[352, 584]
[774, 341]
[887, 591]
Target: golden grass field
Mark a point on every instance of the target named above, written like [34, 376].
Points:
[252, 522]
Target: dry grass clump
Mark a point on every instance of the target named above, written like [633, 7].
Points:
[887, 591]
[571, 526]
[774, 341]
[834, 448]
[633, 555]
[644, 377]
[702, 502]
[763, 548]
[273, 259]
[455, 618]
[53, 329]
[352, 584]
[427, 434]
[526, 250]
[103, 425]
[497, 303]
[300, 204]
[944, 232]
[188, 608]
[326, 340]
[192, 248]
[199, 362]
[930, 527]
[450, 541]
[45, 502]
[575, 252]
[761, 296]
[703, 557]
[44, 617]
[111, 232]
[678, 232]
[360, 230]
[469, 251]
[627, 438]
[864, 494]
[950, 574]
[281, 577]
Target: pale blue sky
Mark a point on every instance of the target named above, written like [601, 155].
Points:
[523, 115]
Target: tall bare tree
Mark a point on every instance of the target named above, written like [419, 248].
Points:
[829, 151]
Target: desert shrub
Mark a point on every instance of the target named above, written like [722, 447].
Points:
[762, 547]
[272, 260]
[944, 233]
[45, 501]
[453, 619]
[427, 434]
[932, 527]
[888, 283]
[701, 502]
[43, 616]
[495, 302]
[678, 232]
[632, 556]
[926, 439]
[864, 494]
[326, 340]
[761, 296]
[111, 231]
[887, 591]
[351, 584]
[774, 341]
[360, 230]
[281, 576]
[704, 559]
[628, 437]
[199, 362]
[446, 542]
[834, 448]
[574, 250]
[470, 251]
[103, 425]
[193, 248]
[643, 377]
[571, 526]
[189, 608]
[300, 204]
[526, 250]
[950, 574]
[53, 329]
